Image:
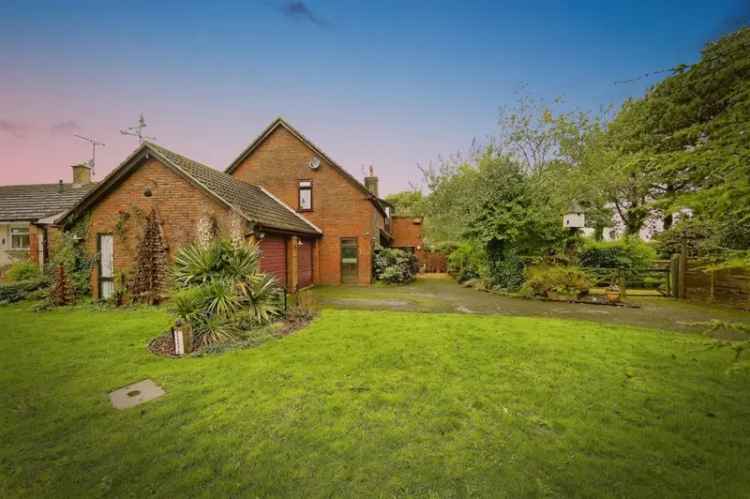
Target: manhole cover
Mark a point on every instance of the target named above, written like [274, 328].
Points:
[135, 394]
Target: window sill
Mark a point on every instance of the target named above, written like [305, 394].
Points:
[304, 211]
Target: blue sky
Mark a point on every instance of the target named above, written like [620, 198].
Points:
[393, 84]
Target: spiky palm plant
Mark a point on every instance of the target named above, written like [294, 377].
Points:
[222, 286]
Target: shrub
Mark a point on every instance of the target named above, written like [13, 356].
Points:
[508, 272]
[626, 257]
[549, 280]
[72, 256]
[17, 291]
[395, 266]
[467, 261]
[22, 270]
[223, 291]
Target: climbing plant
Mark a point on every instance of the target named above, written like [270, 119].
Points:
[150, 271]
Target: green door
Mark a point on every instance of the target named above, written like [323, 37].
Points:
[349, 261]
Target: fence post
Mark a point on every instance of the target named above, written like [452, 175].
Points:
[674, 275]
[683, 272]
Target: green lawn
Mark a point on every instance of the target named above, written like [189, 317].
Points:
[372, 404]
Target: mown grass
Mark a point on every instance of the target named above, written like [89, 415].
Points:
[367, 404]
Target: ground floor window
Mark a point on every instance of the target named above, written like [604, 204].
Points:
[19, 238]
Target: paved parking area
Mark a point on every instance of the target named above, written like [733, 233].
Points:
[440, 293]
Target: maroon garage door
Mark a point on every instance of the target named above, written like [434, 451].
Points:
[305, 263]
[273, 257]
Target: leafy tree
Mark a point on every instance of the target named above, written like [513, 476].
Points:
[408, 203]
[685, 145]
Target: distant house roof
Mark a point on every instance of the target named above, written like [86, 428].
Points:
[380, 204]
[29, 203]
[254, 203]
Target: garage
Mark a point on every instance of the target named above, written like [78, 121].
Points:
[305, 263]
[273, 257]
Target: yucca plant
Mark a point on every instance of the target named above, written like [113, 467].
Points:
[223, 288]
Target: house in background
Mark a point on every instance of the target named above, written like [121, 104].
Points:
[27, 212]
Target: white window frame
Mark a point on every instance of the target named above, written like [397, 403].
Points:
[305, 186]
[19, 232]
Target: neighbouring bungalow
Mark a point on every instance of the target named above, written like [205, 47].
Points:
[27, 213]
[314, 222]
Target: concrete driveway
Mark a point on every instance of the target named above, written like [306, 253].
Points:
[440, 293]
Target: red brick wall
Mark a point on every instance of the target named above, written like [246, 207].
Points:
[180, 205]
[405, 232]
[340, 209]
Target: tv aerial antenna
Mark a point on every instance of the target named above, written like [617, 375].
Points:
[94, 144]
[137, 131]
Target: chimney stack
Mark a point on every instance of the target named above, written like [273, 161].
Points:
[371, 182]
[60, 187]
[81, 175]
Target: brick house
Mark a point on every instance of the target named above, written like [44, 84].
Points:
[188, 197]
[27, 213]
[314, 222]
[350, 215]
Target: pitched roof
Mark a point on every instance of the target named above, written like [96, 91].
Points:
[281, 122]
[255, 204]
[33, 202]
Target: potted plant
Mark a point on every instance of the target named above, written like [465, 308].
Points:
[613, 293]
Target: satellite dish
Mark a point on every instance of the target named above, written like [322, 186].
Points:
[314, 163]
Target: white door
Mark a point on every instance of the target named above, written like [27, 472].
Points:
[106, 266]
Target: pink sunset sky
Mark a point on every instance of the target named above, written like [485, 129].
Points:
[388, 84]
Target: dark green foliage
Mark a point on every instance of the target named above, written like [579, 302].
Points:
[17, 291]
[507, 272]
[395, 266]
[467, 261]
[500, 210]
[704, 238]
[556, 281]
[223, 291]
[629, 255]
[72, 255]
[22, 270]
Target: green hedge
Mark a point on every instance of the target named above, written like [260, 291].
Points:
[548, 281]
[17, 291]
[468, 261]
[627, 257]
[395, 266]
[22, 270]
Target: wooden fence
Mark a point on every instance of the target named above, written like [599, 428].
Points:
[693, 281]
[432, 261]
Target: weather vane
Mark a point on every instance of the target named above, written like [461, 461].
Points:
[94, 144]
[137, 131]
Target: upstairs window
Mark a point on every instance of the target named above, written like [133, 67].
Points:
[305, 195]
[19, 238]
